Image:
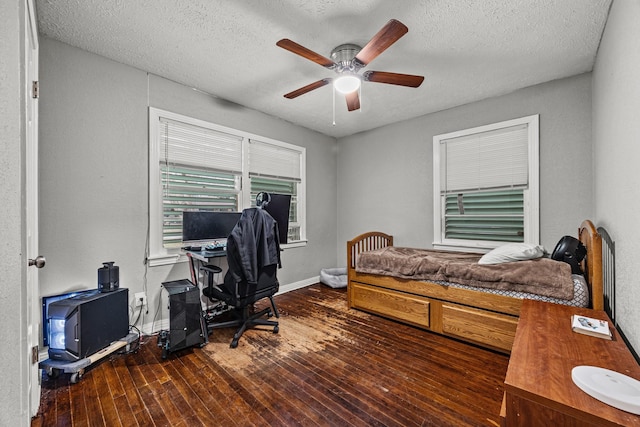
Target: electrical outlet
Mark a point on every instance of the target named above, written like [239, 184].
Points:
[140, 299]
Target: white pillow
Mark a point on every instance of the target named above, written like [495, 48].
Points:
[512, 252]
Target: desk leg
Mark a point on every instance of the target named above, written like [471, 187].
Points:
[193, 269]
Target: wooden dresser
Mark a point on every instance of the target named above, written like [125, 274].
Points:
[539, 390]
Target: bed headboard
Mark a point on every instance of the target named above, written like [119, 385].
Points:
[608, 273]
[592, 264]
[366, 242]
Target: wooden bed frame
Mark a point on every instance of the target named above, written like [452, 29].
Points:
[485, 319]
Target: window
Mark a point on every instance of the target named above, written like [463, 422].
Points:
[486, 186]
[276, 169]
[196, 165]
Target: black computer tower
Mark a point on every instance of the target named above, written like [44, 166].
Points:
[85, 324]
[186, 323]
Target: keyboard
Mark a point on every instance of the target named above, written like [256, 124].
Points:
[218, 246]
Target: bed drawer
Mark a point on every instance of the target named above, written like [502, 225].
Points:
[487, 328]
[399, 306]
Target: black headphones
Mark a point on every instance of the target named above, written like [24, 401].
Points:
[572, 251]
[262, 199]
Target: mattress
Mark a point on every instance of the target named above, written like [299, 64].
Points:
[580, 292]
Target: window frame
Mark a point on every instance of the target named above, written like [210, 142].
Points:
[531, 193]
[160, 255]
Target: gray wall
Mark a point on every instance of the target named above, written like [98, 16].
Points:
[616, 137]
[13, 333]
[93, 172]
[385, 175]
[94, 161]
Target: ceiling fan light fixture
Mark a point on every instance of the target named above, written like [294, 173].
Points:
[348, 59]
[347, 83]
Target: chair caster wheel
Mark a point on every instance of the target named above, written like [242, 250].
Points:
[276, 329]
[53, 373]
[233, 344]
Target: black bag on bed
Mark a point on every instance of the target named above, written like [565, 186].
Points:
[572, 251]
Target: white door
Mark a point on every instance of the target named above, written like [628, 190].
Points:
[35, 261]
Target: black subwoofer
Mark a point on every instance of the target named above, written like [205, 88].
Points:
[82, 325]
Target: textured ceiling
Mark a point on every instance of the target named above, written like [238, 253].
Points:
[467, 49]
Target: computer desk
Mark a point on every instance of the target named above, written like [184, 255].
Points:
[200, 258]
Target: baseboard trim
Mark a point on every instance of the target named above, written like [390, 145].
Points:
[298, 285]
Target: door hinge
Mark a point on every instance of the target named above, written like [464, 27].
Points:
[35, 354]
[34, 89]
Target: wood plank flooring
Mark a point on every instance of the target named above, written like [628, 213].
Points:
[327, 366]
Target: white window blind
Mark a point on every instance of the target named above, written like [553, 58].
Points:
[489, 160]
[276, 169]
[274, 161]
[190, 145]
[200, 170]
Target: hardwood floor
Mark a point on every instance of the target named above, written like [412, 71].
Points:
[328, 365]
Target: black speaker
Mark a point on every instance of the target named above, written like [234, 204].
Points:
[108, 277]
[186, 323]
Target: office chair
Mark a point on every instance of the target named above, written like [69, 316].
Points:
[253, 255]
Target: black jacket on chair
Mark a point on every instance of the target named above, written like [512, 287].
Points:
[252, 245]
[253, 255]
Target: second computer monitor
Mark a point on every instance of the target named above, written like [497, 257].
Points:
[278, 208]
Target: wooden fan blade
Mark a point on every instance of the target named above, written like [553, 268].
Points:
[387, 36]
[307, 88]
[294, 47]
[393, 78]
[353, 101]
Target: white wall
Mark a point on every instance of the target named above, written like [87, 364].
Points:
[616, 136]
[93, 172]
[385, 175]
[13, 334]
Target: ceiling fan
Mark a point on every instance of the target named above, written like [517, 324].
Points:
[348, 59]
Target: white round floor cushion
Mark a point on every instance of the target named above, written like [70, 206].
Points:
[334, 277]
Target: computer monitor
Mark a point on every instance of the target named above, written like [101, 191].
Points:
[203, 227]
[278, 207]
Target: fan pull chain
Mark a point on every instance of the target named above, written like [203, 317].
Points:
[334, 104]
